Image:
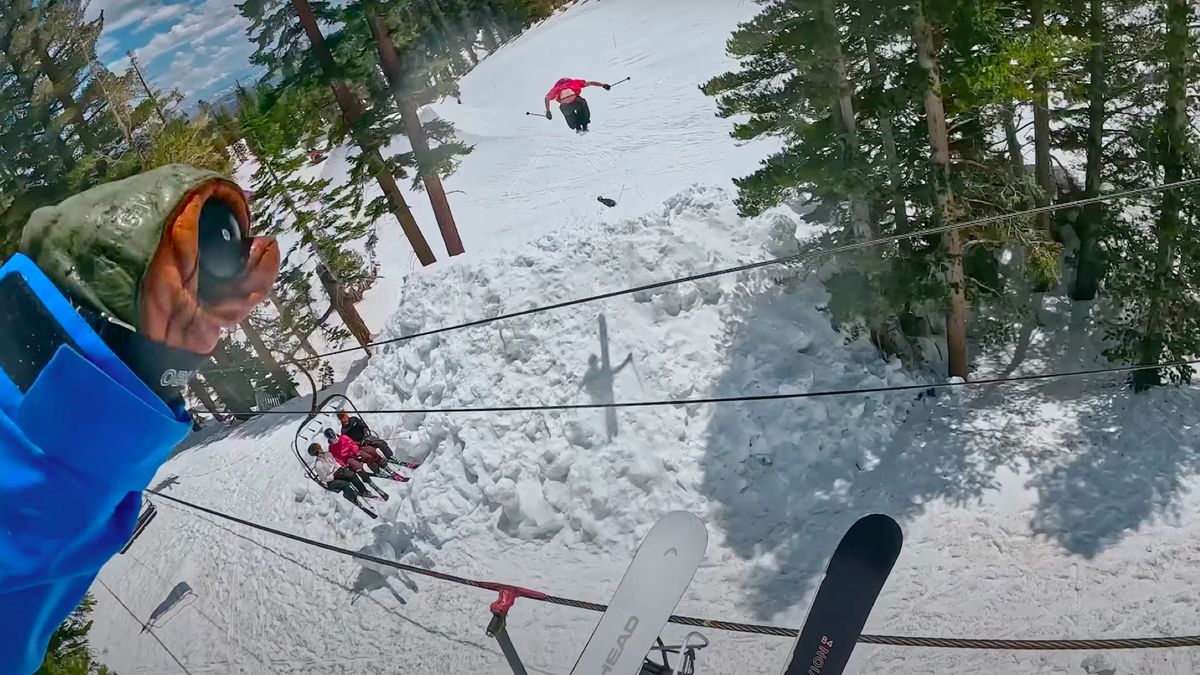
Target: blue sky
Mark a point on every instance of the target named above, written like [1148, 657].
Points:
[197, 46]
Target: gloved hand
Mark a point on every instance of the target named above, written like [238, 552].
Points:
[606, 86]
[549, 116]
[177, 263]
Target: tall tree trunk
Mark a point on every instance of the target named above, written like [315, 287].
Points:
[126, 130]
[283, 380]
[1175, 122]
[1089, 267]
[1016, 158]
[1020, 261]
[939, 143]
[352, 111]
[345, 308]
[332, 286]
[394, 71]
[887, 135]
[289, 321]
[1041, 124]
[843, 110]
[198, 389]
[158, 109]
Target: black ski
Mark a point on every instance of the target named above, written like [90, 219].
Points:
[378, 495]
[853, 579]
[364, 509]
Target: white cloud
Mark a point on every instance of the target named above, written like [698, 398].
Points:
[116, 21]
[106, 47]
[195, 72]
[162, 14]
[145, 14]
[115, 8]
[203, 49]
[195, 29]
[118, 65]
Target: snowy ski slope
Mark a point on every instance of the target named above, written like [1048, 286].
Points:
[1061, 509]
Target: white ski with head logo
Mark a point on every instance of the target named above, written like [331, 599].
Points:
[660, 572]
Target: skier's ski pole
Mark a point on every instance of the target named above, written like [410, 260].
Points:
[619, 82]
[536, 114]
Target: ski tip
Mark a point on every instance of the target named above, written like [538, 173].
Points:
[877, 535]
[685, 521]
[880, 523]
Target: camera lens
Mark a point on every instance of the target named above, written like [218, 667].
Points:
[222, 249]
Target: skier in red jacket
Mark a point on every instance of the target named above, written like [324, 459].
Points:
[569, 94]
[348, 453]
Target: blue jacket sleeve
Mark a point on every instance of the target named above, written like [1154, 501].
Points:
[75, 453]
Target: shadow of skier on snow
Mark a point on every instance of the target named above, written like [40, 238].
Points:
[180, 597]
[601, 375]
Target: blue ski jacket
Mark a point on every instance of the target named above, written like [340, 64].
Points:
[79, 440]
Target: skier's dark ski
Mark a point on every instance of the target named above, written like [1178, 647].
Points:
[366, 510]
[853, 579]
[376, 493]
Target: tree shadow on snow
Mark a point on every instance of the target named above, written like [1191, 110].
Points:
[1133, 455]
[1121, 459]
[788, 478]
[600, 376]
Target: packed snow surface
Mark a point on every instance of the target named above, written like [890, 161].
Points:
[1045, 510]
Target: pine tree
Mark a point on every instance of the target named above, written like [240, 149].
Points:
[1089, 267]
[199, 390]
[1165, 326]
[237, 376]
[312, 208]
[886, 112]
[410, 87]
[68, 652]
[280, 378]
[55, 136]
[292, 46]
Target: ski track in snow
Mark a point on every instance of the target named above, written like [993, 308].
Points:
[1044, 510]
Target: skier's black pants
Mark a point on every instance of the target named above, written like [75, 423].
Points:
[349, 483]
[381, 445]
[576, 113]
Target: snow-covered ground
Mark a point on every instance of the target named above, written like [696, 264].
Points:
[650, 137]
[1058, 509]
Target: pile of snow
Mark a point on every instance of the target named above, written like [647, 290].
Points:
[573, 491]
[595, 476]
